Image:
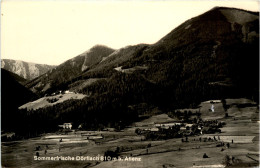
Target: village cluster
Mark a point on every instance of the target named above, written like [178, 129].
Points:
[182, 128]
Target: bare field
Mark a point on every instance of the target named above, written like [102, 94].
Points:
[153, 154]
[43, 102]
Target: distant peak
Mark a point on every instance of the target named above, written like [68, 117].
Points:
[27, 62]
[216, 8]
[100, 46]
[97, 47]
[223, 7]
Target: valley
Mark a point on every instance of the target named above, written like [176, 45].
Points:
[240, 128]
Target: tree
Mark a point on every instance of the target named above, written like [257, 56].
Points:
[224, 103]
[226, 115]
[205, 155]
[227, 161]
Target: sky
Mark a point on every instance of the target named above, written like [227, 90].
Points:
[53, 31]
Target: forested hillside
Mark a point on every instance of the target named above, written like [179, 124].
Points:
[68, 70]
[13, 95]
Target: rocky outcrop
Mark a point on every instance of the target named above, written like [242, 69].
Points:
[25, 69]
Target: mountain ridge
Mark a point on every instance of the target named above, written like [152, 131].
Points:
[69, 69]
[24, 69]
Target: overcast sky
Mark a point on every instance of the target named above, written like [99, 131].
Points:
[51, 32]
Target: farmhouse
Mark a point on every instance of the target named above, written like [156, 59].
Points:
[66, 126]
[67, 92]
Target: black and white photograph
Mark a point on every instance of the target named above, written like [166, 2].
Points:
[129, 84]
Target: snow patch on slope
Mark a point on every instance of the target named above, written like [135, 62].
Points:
[84, 65]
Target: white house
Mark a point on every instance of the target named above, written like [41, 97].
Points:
[67, 91]
[66, 126]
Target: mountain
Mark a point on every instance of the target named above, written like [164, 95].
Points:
[212, 56]
[216, 50]
[26, 70]
[219, 48]
[13, 95]
[69, 69]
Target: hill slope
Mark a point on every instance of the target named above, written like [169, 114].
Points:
[204, 56]
[214, 48]
[16, 77]
[26, 70]
[69, 69]
[13, 95]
